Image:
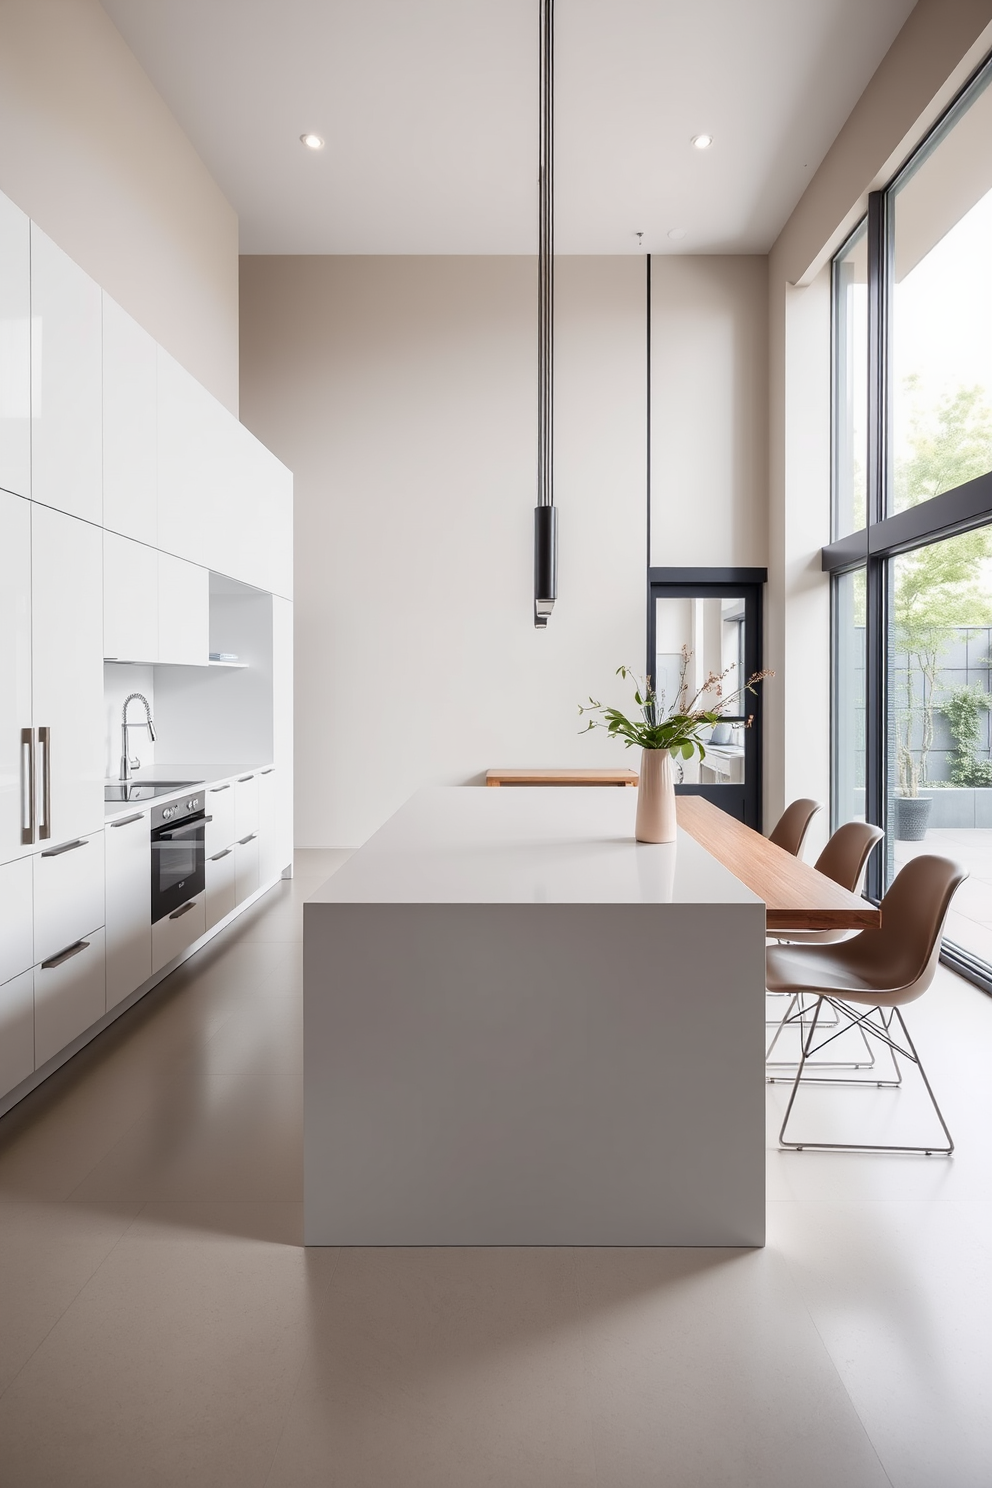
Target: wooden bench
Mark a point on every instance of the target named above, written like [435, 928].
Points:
[561, 777]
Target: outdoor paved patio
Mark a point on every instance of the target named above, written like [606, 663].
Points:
[969, 923]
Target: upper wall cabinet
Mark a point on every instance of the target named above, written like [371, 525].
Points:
[262, 516]
[66, 383]
[15, 349]
[130, 427]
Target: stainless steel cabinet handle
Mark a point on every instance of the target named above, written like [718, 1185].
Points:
[243, 778]
[178, 913]
[27, 785]
[216, 789]
[250, 838]
[217, 856]
[56, 852]
[124, 821]
[45, 815]
[268, 771]
[73, 950]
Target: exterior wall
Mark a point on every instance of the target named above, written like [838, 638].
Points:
[402, 393]
[89, 150]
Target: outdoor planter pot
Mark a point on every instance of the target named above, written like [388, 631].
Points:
[912, 817]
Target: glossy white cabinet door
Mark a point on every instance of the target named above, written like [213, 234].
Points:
[16, 919]
[68, 893]
[16, 1030]
[129, 917]
[175, 932]
[130, 423]
[15, 672]
[130, 600]
[15, 349]
[67, 670]
[282, 726]
[193, 468]
[245, 805]
[70, 994]
[183, 612]
[220, 831]
[222, 894]
[246, 867]
[66, 383]
[267, 836]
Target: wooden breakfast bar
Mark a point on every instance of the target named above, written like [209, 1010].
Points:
[524, 1028]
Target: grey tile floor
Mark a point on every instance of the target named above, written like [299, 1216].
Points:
[161, 1324]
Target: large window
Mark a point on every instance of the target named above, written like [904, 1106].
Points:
[912, 552]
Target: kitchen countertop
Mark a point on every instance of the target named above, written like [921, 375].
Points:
[193, 774]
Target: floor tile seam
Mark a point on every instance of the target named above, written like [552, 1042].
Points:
[829, 1354]
[71, 1301]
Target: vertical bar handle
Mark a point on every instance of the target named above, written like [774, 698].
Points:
[27, 785]
[45, 814]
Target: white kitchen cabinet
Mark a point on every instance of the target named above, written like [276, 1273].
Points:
[183, 612]
[16, 918]
[16, 1030]
[69, 995]
[194, 469]
[67, 673]
[220, 830]
[68, 893]
[245, 805]
[15, 673]
[130, 424]
[66, 381]
[246, 867]
[268, 834]
[258, 542]
[130, 600]
[127, 845]
[15, 349]
[222, 895]
[172, 934]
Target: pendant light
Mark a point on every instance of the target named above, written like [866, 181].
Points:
[545, 514]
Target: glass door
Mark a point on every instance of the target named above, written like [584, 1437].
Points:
[717, 627]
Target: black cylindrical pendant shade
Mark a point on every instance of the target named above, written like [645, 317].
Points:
[545, 563]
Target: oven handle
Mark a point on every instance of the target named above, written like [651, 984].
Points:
[178, 831]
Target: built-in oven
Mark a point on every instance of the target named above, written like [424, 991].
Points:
[178, 833]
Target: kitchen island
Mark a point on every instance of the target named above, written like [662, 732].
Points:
[524, 1028]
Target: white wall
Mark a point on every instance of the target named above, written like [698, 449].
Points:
[89, 150]
[709, 411]
[402, 393]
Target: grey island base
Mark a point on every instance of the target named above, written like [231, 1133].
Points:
[524, 1028]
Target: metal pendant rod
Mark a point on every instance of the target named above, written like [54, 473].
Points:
[545, 517]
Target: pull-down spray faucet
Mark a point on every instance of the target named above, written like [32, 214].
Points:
[127, 763]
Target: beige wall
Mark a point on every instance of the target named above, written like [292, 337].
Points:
[89, 150]
[402, 393]
[709, 418]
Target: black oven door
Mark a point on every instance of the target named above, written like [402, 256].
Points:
[178, 865]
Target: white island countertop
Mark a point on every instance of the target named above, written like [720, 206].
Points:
[540, 845]
[524, 1028]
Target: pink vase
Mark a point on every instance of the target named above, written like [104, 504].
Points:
[656, 798]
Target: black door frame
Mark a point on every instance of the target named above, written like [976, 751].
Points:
[742, 801]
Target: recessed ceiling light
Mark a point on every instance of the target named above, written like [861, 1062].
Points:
[676, 233]
[312, 141]
[702, 141]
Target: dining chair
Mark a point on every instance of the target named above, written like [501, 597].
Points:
[789, 832]
[868, 979]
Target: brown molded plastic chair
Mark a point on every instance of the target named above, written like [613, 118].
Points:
[844, 859]
[879, 971]
[789, 832]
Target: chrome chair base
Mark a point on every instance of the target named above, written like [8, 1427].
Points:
[877, 1023]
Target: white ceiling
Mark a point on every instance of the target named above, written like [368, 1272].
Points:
[429, 110]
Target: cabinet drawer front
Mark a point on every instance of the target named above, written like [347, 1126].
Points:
[69, 997]
[177, 931]
[245, 805]
[16, 940]
[246, 868]
[68, 894]
[221, 893]
[16, 1030]
[220, 808]
[129, 915]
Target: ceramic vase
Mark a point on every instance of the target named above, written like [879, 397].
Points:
[655, 820]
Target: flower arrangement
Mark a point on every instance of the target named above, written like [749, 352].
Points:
[679, 726]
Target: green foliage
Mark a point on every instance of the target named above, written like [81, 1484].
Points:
[963, 708]
[943, 586]
[677, 728]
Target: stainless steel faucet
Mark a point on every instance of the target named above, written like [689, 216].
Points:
[127, 763]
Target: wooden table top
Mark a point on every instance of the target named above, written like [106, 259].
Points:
[561, 777]
[795, 895]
